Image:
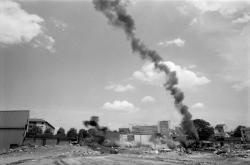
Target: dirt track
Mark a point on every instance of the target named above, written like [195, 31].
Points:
[73, 155]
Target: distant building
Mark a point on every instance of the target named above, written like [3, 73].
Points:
[112, 136]
[219, 130]
[163, 127]
[143, 134]
[144, 130]
[43, 124]
[124, 130]
[13, 127]
[245, 133]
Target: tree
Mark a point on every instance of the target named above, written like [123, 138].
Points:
[204, 129]
[237, 131]
[61, 132]
[82, 134]
[72, 134]
[35, 131]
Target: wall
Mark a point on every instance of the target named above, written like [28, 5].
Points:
[12, 128]
[8, 137]
[2, 89]
[142, 139]
[39, 141]
[112, 136]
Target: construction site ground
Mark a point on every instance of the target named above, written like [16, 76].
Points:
[82, 155]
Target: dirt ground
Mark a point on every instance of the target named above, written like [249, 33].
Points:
[77, 155]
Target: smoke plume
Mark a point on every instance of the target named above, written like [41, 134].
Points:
[115, 12]
[97, 132]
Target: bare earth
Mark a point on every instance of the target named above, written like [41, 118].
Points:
[77, 155]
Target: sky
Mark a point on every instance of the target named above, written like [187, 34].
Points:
[63, 61]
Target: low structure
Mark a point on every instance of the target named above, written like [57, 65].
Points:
[219, 131]
[124, 130]
[43, 124]
[143, 134]
[13, 127]
[163, 128]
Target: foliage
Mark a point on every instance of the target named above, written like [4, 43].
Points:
[237, 131]
[72, 134]
[204, 129]
[61, 132]
[82, 134]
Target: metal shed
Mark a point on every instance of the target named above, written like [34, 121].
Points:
[13, 127]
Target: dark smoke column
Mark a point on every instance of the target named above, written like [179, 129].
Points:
[115, 12]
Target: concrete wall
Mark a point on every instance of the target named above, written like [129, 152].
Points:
[39, 141]
[142, 139]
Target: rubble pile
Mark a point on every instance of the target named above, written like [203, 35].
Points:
[64, 151]
[232, 151]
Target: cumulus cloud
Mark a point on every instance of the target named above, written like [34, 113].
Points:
[187, 78]
[120, 106]
[198, 105]
[241, 85]
[225, 8]
[244, 19]
[177, 41]
[120, 88]
[147, 99]
[18, 26]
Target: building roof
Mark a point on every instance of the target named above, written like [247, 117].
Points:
[37, 120]
[40, 120]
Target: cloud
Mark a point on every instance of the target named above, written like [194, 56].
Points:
[147, 99]
[241, 85]
[225, 8]
[120, 88]
[194, 21]
[244, 19]
[18, 26]
[120, 106]
[59, 24]
[198, 105]
[191, 66]
[178, 42]
[187, 78]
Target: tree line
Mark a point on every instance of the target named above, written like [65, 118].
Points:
[71, 134]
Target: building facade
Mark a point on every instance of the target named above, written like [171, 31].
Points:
[144, 130]
[43, 124]
[163, 127]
